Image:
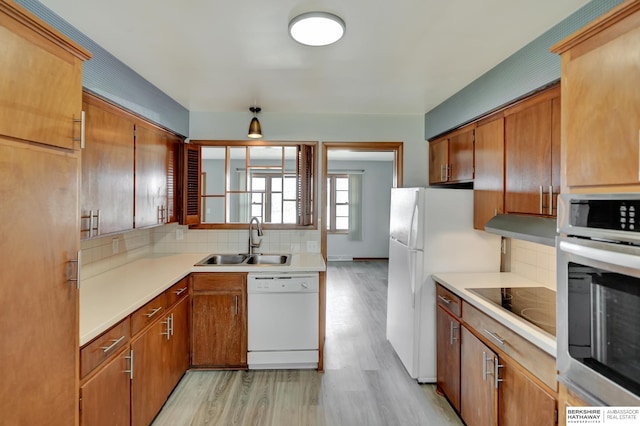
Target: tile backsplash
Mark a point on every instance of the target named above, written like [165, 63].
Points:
[536, 262]
[101, 254]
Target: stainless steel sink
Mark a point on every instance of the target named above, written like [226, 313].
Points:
[222, 259]
[269, 259]
[245, 259]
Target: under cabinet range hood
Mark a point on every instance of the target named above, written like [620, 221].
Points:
[541, 230]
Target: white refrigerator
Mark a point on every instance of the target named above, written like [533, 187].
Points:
[431, 230]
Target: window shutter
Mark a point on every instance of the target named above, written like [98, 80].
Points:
[191, 185]
[305, 184]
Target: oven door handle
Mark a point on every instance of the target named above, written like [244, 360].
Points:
[608, 256]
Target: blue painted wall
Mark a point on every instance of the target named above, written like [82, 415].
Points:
[109, 78]
[528, 69]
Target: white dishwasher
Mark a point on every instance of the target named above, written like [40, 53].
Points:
[283, 323]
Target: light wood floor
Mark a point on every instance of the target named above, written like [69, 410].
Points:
[364, 382]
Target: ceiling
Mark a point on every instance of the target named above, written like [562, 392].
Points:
[397, 57]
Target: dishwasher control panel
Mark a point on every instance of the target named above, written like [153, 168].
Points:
[283, 283]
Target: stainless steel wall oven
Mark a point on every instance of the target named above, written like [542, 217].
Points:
[598, 306]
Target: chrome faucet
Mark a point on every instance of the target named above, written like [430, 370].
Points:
[252, 243]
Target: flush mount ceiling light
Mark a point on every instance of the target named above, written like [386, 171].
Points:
[317, 28]
[255, 131]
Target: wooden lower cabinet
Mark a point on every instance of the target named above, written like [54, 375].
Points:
[219, 320]
[478, 393]
[521, 401]
[105, 398]
[448, 356]
[178, 345]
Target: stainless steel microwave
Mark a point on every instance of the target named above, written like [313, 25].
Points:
[598, 297]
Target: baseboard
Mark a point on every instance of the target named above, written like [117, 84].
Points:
[370, 259]
[339, 258]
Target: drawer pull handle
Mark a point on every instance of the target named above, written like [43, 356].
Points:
[113, 344]
[130, 370]
[452, 333]
[153, 312]
[495, 336]
[445, 299]
[496, 371]
[180, 291]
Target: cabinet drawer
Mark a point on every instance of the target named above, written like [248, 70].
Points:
[148, 313]
[538, 362]
[219, 281]
[94, 353]
[177, 291]
[448, 300]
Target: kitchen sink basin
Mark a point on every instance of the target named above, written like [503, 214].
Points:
[269, 259]
[245, 259]
[223, 259]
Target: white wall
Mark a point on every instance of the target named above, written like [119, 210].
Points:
[376, 196]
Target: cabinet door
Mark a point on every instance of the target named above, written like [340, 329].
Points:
[438, 161]
[488, 184]
[151, 177]
[107, 169]
[478, 399]
[602, 107]
[218, 330]
[178, 344]
[528, 159]
[106, 396]
[448, 356]
[39, 314]
[521, 401]
[461, 157]
[148, 386]
[40, 83]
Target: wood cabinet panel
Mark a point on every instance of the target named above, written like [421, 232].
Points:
[521, 402]
[534, 359]
[41, 81]
[448, 300]
[148, 313]
[438, 161]
[448, 356]
[39, 313]
[488, 184]
[220, 281]
[601, 105]
[178, 345]
[461, 156]
[104, 346]
[177, 291]
[107, 169]
[148, 386]
[528, 158]
[152, 157]
[105, 398]
[478, 394]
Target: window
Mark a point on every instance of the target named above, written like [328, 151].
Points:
[240, 180]
[338, 203]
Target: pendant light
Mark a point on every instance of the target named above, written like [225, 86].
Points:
[255, 131]
[317, 28]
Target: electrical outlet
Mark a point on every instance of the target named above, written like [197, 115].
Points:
[313, 247]
[179, 234]
[115, 245]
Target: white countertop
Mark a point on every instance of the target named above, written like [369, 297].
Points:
[458, 283]
[107, 298]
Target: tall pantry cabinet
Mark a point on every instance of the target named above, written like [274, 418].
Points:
[40, 112]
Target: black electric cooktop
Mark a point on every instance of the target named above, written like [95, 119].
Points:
[536, 305]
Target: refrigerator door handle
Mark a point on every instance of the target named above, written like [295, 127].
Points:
[412, 243]
[412, 275]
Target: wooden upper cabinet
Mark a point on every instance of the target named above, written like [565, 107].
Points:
[151, 177]
[601, 100]
[438, 160]
[190, 185]
[451, 158]
[107, 170]
[488, 184]
[41, 71]
[530, 142]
